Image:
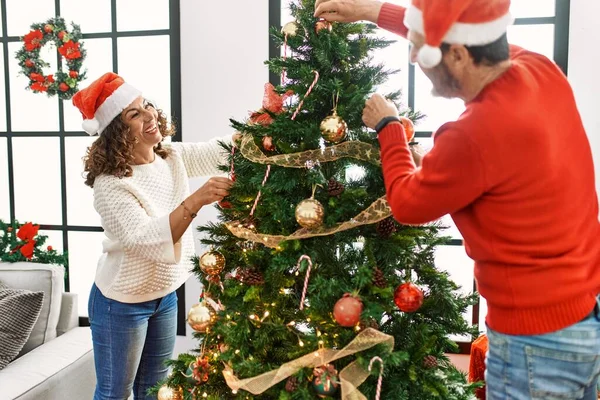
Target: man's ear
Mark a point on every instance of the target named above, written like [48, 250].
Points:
[458, 55]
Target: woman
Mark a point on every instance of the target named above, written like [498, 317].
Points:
[141, 193]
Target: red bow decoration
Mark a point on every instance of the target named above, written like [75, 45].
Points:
[201, 368]
[26, 233]
[273, 103]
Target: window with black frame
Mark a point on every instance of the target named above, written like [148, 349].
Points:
[541, 26]
[42, 142]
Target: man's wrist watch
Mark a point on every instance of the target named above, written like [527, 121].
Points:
[384, 122]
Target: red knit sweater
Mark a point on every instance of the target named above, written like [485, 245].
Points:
[515, 172]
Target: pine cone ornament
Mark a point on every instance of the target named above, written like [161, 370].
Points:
[251, 277]
[335, 188]
[379, 279]
[430, 362]
[369, 323]
[292, 384]
[386, 227]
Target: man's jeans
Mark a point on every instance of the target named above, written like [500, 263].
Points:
[560, 365]
[131, 344]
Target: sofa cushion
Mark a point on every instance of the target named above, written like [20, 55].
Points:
[19, 311]
[38, 277]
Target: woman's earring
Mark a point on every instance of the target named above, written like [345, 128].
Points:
[136, 140]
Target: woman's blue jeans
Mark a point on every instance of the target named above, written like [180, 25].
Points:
[131, 344]
[560, 365]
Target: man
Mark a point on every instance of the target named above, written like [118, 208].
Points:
[515, 172]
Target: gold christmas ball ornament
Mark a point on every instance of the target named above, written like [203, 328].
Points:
[290, 29]
[334, 129]
[212, 263]
[168, 393]
[200, 317]
[310, 213]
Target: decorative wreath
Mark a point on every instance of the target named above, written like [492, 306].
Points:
[61, 83]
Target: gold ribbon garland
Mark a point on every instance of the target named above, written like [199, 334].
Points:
[351, 377]
[351, 149]
[376, 212]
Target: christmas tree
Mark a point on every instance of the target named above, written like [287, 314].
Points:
[311, 289]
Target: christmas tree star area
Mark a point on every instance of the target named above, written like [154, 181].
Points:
[311, 289]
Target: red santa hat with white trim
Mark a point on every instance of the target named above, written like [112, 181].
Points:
[466, 22]
[103, 100]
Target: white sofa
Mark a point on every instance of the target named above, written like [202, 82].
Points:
[57, 362]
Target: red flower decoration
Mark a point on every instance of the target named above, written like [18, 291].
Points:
[49, 248]
[63, 87]
[73, 74]
[272, 102]
[29, 63]
[61, 34]
[32, 40]
[27, 249]
[50, 78]
[28, 231]
[34, 76]
[70, 50]
[39, 87]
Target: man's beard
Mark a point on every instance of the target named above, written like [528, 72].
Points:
[444, 83]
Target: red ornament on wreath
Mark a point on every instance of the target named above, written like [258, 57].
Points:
[69, 46]
[267, 143]
[347, 310]
[408, 297]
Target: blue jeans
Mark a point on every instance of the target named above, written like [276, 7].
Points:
[560, 365]
[131, 344]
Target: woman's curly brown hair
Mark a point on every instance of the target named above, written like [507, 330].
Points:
[112, 152]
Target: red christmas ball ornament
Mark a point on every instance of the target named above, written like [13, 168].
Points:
[347, 310]
[409, 128]
[73, 74]
[224, 204]
[61, 35]
[323, 24]
[267, 143]
[63, 87]
[48, 28]
[49, 248]
[408, 297]
[29, 63]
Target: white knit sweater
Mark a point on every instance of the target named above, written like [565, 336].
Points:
[139, 261]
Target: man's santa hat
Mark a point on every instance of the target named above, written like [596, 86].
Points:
[466, 22]
[103, 100]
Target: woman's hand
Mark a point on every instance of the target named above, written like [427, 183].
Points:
[376, 109]
[213, 190]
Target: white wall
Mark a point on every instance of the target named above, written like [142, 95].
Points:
[583, 70]
[224, 45]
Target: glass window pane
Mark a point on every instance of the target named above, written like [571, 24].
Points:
[141, 15]
[80, 198]
[84, 250]
[454, 260]
[532, 9]
[4, 194]
[91, 16]
[451, 230]
[482, 314]
[437, 110]
[98, 62]
[538, 38]
[394, 57]
[55, 239]
[2, 92]
[20, 15]
[25, 104]
[37, 195]
[154, 79]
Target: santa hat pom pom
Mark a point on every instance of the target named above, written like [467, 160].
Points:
[91, 126]
[429, 56]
